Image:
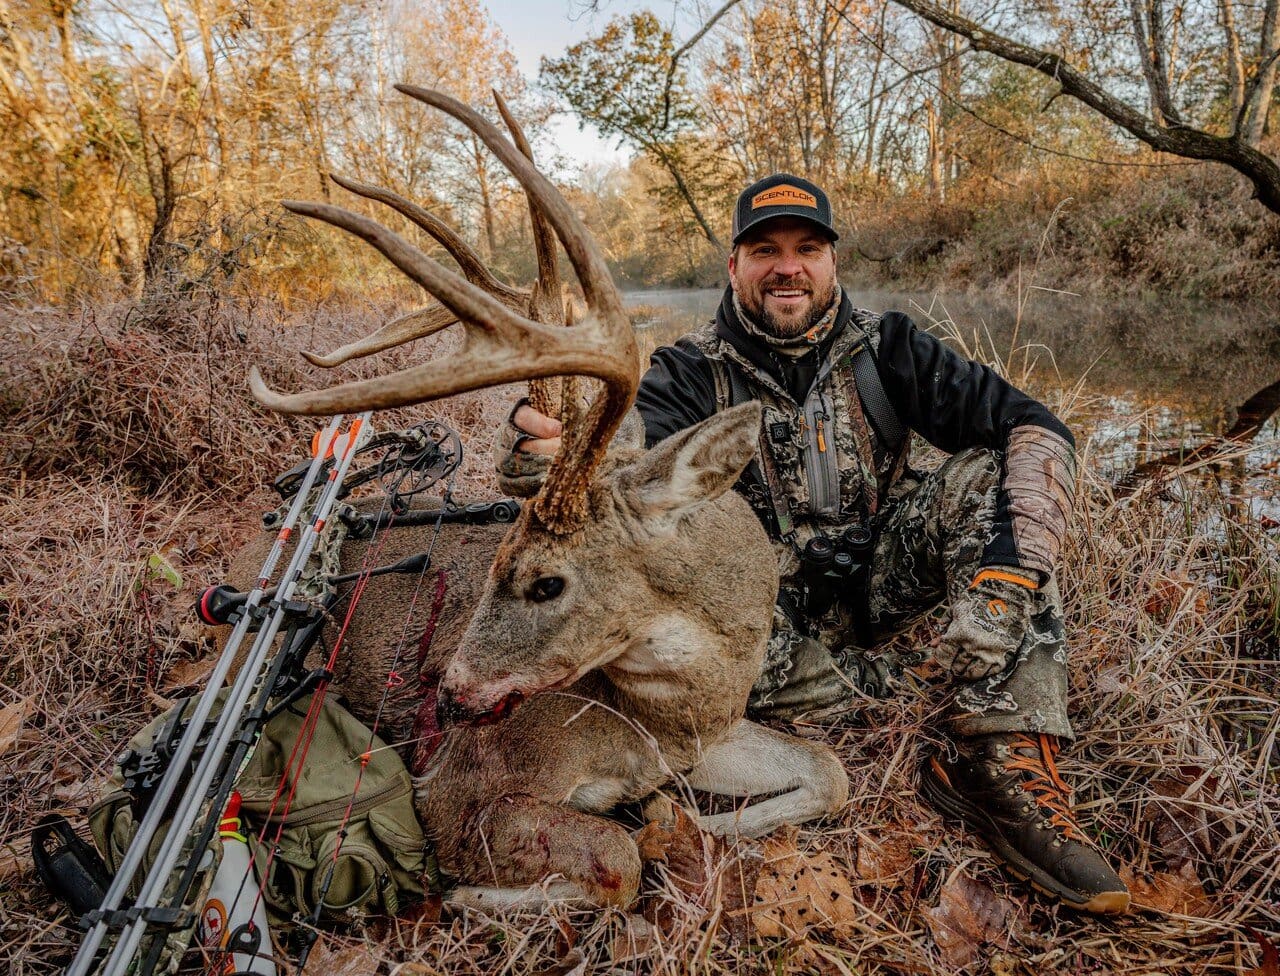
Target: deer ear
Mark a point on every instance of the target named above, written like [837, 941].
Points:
[691, 466]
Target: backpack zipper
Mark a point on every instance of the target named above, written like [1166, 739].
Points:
[320, 812]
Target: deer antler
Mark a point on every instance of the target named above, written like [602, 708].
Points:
[421, 322]
[546, 301]
[500, 346]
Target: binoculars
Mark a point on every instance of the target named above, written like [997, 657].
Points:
[832, 569]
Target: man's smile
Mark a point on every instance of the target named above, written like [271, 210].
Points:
[789, 295]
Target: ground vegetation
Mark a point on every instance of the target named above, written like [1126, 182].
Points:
[134, 464]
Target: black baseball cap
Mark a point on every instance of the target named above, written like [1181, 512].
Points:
[781, 195]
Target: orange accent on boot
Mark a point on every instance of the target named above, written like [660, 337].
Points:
[1000, 574]
[1046, 784]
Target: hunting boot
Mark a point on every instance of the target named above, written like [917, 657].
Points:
[1006, 788]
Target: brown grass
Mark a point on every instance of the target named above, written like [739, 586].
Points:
[1184, 231]
[123, 442]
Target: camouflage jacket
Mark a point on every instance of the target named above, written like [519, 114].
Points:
[829, 463]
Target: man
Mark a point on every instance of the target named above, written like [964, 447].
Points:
[866, 545]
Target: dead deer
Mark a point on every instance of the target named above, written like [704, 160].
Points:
[625, 612]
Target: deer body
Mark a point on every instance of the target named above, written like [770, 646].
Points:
[607, 644]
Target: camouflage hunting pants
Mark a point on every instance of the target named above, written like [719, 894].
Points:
[928, 550]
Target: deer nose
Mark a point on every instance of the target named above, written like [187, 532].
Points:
[450, 708]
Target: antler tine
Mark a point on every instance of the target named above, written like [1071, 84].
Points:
[544, 242]
[602, 296]
[421, 322]
[472, 267]
[546, 303]
[418, 324]
[499, 345]
[561, 504]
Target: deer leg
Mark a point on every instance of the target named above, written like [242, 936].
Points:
[518, 842]
[807, 778]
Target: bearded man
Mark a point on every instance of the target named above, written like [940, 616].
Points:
[866, 545]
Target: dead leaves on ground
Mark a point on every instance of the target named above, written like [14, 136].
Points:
[1174, 892]
[969, 916]
[11, 719]
[772, 888]
[800, 891]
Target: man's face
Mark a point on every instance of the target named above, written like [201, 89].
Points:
[784, 274]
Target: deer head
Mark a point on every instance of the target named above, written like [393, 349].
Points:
[608, 567]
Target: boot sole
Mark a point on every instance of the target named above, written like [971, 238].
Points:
[940, 794]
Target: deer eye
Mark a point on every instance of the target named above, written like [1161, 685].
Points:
[545, 588]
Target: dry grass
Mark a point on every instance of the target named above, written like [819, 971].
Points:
[1190, 231]
[121, 443]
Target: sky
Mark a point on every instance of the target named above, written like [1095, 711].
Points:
[545, 28]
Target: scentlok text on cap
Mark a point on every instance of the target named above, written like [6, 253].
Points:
[781, 195]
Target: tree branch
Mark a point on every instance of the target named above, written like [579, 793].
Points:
[682, 50]
[1260, 169]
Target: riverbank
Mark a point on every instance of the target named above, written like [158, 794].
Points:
[1192, 231]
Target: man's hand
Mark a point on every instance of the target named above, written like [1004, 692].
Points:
[988, 623]
[522, 450]
[543, 431]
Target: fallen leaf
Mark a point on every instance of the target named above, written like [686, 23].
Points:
[886, 859]
[798, 891]
[574, 964]
[1170, 593]
[12, 865]
[635, 941]
[682, 847]
[334, 958]
[686, 854]
[1177, 893]
[160, 566]
[188, 673]
[738, 883]
[1270, 956]
[11, 719]
[969, 913]
[566, 939]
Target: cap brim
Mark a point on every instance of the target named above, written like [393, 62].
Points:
[776, 212]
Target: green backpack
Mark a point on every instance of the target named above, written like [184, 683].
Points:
[383, 861]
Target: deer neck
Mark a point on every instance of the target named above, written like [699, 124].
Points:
[678, 673]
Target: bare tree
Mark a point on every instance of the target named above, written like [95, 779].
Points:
[1162, 127]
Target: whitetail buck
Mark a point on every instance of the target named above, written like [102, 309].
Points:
[626, 610]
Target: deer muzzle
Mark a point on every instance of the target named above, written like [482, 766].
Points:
[455, 708]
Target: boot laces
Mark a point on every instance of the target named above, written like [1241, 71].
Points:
[1044, 783]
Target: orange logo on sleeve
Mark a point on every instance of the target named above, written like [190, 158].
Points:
[785, 195]
[997, 608]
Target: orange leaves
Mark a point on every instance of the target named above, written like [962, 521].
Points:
[1171, 593]
[1174, 892]
[773, 889]
[800, 891]
[886, 858]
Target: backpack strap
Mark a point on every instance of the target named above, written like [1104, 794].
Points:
[731, 390]
[875, 402]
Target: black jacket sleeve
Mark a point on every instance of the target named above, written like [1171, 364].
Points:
[675, 393]
[956, 404]
[948, 400]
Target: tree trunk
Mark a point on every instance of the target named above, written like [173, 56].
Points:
[686, 194]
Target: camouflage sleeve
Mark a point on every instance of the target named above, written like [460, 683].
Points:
[955, 404]
[1037, 496]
